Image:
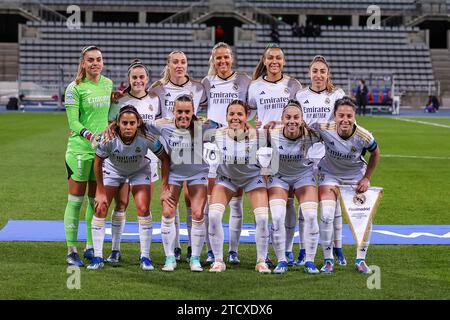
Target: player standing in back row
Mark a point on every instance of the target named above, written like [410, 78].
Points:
[148, 106]
[317, 103]
[87, 101]
[175, 83]
[268, 94]
[223, 85]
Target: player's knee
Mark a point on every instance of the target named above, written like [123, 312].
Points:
[327, 210]
[197, 215]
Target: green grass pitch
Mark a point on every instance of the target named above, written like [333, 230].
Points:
[33, 186]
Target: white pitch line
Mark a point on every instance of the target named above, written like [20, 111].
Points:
[423, 122]
[413, 157]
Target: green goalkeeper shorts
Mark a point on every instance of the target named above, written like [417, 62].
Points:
[80, 167]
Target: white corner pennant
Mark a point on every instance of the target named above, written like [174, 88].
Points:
[360, 209]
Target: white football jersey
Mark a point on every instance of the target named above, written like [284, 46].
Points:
[318, 107]
[239, 161]
[290, 156]
[148, 107]
[344, 157]
[185, 152]
[170, 91]
[269, 98]
[125, 159]
[220, 92]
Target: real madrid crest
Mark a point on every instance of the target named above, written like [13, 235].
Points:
[138, 150]
[235, 86]
[353, 149]
[327, 100]
[359, 199]
[286, 90]
[150, 107]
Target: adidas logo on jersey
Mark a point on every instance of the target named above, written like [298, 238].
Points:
[224, 148]
[168, 94]
[259, 182]
[280, 147]
[116, 151]
[262, 92]
[147, 178]
[213, 87]
[203, 179]
[306, 101]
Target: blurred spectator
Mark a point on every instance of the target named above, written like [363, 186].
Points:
[309, 30]
[295, 30]
[220, 34]
[361, 97]
[274, 33]
[301, 31]
[316, 30]
[432, 104]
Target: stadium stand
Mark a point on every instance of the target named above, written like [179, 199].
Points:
[48, 51]
[349, 50]
[393, 5]
[42, 57]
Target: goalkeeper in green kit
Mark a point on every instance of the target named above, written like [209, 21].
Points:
[87, 101]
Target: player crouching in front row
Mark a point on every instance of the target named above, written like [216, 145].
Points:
[119, 159]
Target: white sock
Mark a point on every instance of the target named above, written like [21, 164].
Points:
[118, 219]
[189, 224]
[145, 234]
[177, 243]
[327, 208]
[215, 230]
[290, 222]
[98, 235]
[337, 224]
[278, 210]
[235, 224]
[311, 234]
[262, 232]
[361, 252]
[168, 234]
[206, 217]
[301, 228]
[198, 236]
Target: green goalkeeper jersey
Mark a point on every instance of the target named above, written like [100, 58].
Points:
[87, 106]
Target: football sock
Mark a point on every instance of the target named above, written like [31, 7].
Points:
[198, 236]
[189, 224]
[311, 233]
[215, 230]
[262, 232]
[337, 226]
[168, 235]
[98, 235]
[145, 234]
[278, 210]
[327, 208]
[301, 228]
[118, 219]
[290, 223]
[89, 215]
[361, 252]
[71, 219]
[235, 223]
